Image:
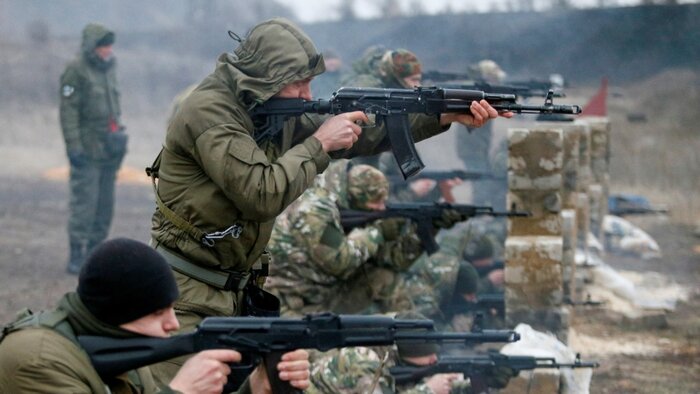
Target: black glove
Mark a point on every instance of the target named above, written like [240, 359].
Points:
[448, 219]
[116, 143]
[77, 158]
[390, 228]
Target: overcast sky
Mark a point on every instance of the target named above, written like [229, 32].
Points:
[320, 10]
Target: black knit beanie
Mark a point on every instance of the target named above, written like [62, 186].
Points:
[123, 280]
[467, 279]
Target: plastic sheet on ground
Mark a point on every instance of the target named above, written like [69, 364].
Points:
[623, 237]
[539, 344]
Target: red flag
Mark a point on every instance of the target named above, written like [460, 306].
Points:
[597, 105]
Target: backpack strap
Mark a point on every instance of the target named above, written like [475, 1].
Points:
[55, 320]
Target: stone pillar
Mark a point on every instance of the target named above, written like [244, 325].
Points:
[583, 211]
[583, 182]
[600, 171]
[568, 218]
[533, 269]
[596, 209]
[570, 194]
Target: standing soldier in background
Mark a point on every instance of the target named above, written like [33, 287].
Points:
[95, 141]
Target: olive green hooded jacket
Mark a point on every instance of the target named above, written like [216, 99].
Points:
[212, 172]
[38, 358]
[89, 98]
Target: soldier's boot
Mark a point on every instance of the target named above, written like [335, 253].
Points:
[76, 258]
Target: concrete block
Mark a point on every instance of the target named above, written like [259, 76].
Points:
[533, 272]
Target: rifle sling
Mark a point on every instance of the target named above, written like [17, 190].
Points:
[169, 214]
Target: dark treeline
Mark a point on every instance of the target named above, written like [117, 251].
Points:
[625, 44]
[180, 44]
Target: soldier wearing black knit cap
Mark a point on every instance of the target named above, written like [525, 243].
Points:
[125, 289]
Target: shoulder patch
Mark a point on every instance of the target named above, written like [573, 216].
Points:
[67, 90]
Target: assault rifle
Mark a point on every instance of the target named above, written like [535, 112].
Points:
[478, 368]
[423, 214]
[269, 337]
[486, 302]
[632, 204]
[519, 89]
[397, 182]
[445, 175]
[490, 301]
[391, 108]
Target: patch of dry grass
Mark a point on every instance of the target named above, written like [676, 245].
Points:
[659, 158]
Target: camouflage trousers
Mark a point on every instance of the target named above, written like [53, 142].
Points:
[91, 203]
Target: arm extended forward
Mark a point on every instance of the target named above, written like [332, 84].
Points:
[265, 335]
[390, 108]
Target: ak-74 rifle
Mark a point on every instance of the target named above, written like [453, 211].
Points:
[397, 182]
[267, 338]
[391, 108]
[446, 175]
[478, 368]
[423, 214]
[521, 88]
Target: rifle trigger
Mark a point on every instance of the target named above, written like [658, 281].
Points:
[372, 120]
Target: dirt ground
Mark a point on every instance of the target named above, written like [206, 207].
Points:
[651, 360]
[634, 358]
[33, 255]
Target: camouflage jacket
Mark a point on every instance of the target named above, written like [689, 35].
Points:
[318, 267]
[430, 282]
[89, 99]
[356, 370]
